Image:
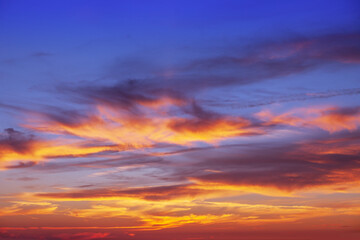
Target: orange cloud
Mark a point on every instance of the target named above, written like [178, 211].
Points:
[40, 150]
[160, 214]
[336, 119]
[28, 208]
[155, 125]
[331, 119]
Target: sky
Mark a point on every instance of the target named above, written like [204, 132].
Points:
[179, 120]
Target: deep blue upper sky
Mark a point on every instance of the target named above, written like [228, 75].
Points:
[47, 43]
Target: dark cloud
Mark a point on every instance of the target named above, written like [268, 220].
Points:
[277, 98]
[128, 95]
[22, 165]
[278, 58]
[327, 161]
[12, 140]
[288, 167]
[86, 186]
[343, 112]
[248, 64]
[26, 179]
[147, 193]
[203, 120]
[81, 164]
[63, 116]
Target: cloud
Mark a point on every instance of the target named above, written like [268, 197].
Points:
[277, 169]
[26, 179]
[15, 145]
[126, 160]
[147, 193]
[165, 213]
[82, 235]
[28, 208]
[129, 95]
[134, 113]
[336, 119]
[165, 123]
[331, 118]
[326, 162]
[242, 65]
[287, 167]
[26, 149]
[12, 140]
[21, 165]
[276, 99]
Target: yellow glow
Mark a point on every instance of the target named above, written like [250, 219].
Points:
[139, 132]
[28, 208]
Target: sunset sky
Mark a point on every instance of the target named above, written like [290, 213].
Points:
[180, 120]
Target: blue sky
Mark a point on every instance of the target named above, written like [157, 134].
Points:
[46, 42]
